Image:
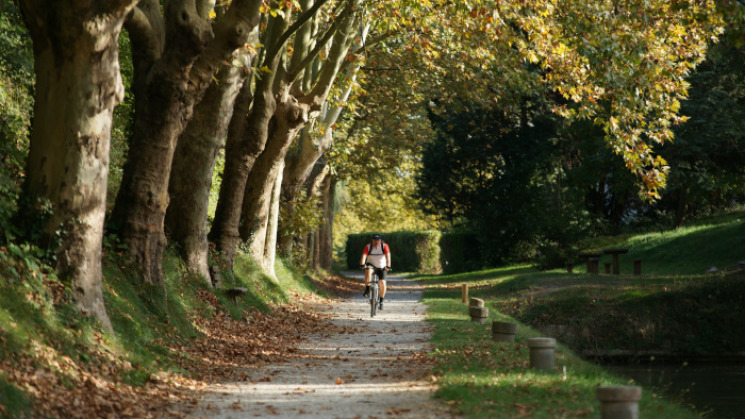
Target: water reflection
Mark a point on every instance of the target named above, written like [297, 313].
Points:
[716, 390]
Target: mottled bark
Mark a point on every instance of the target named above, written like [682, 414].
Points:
[300, 164]
[247, 137]
[291, 116]
[193, 164]
[76, 61]
[324, 249]
[172, 77]
[270, 248]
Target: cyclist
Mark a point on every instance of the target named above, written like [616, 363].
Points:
[378, 254]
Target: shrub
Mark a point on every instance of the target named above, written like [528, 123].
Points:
[411, 251]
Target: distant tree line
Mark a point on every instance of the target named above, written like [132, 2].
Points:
[528, 183]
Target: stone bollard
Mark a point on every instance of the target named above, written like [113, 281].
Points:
[475, 302]
[637, 267]
[478, 314]
[619, 402]
[542, 353]
[503, 331]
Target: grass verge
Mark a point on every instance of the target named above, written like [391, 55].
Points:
[481, 378]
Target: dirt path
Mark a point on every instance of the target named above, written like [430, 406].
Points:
[371, 368]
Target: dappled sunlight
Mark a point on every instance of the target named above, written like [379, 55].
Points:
[272, 392]
[360, 366]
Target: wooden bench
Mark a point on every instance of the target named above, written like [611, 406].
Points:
[615, 252]
[592, 261]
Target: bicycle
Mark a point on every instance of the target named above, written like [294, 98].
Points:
[374, 289]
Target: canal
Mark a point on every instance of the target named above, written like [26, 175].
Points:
[715, 390]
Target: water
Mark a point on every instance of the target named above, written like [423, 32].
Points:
[716, 390]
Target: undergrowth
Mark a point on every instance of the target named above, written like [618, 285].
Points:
[45, 340]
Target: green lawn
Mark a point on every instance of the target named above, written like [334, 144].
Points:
[673, 306]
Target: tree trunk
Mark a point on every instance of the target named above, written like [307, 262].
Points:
[300, 164]
[270, 250]
[312, 185]
[247, 137]
[193, 164]
[325, 234]
[76, 61]
[289, 118]
[246, 140]
[168, 89]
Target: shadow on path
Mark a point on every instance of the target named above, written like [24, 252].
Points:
[367, 367]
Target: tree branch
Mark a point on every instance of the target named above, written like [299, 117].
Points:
[304, 17]
[293, 73]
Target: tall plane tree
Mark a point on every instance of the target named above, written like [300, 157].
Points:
[295, 108]
[78, 84]
[314, 143]
[255, 150]
[176, 54]
[249, 128]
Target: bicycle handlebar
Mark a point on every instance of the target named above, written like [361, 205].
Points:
[370, 265]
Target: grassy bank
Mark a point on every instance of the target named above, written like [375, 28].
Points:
[55, 362]
[673, 308]
[716, 241]
[489, 379]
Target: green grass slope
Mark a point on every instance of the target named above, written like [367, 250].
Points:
[674, 308]
[49, 350]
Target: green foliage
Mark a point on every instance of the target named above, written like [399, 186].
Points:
[417, 251]
[381, 201]
[507, 176]
[16, 104]
[460, 252]
[300, 218]
[707, 156]
[216, 183]
[123, 124]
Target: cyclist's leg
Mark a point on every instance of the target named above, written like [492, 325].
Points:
[381, 275]
[367, 283]
[367, 277]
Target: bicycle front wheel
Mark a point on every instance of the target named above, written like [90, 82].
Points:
[373, 300]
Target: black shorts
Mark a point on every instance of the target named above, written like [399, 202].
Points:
[380, 272]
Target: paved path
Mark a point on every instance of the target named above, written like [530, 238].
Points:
[370, 369]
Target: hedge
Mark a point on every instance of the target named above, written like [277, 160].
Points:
[460, 252]
[411, 251]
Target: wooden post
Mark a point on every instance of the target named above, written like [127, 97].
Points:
[607, 267]
[593, 264]
[464, 293]
[637, 266]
